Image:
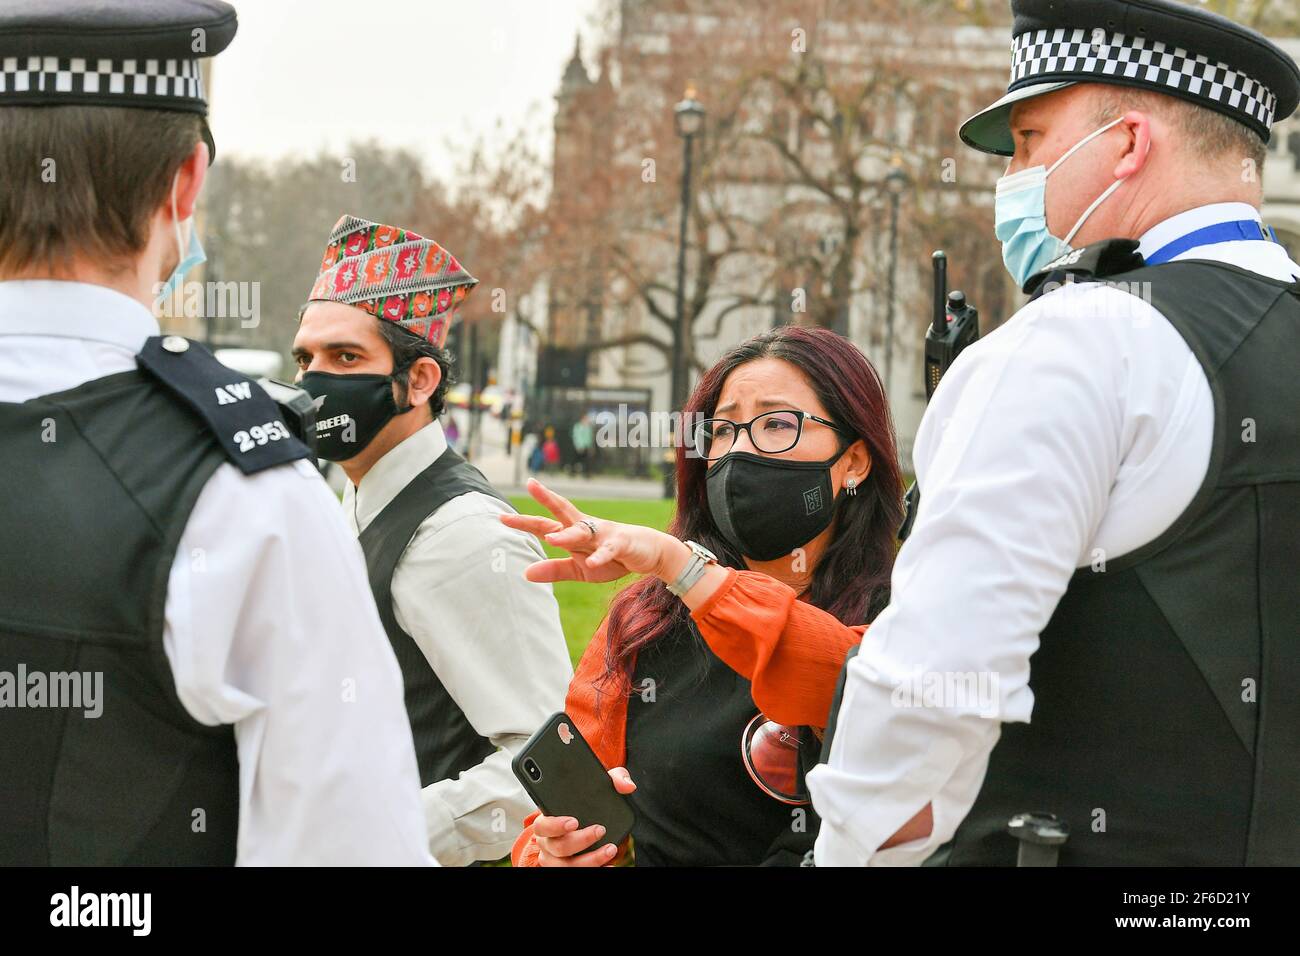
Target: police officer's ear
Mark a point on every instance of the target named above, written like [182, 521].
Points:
[188, 183]
[422, 380]
[1137, 125]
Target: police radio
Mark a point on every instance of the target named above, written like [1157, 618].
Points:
[297, 407]
[955, 325]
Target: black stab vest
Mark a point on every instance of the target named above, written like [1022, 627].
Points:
[96, 486]
[1166, 720]
[446, 743]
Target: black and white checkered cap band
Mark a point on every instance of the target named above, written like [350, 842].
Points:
[48, 77]
[1140, 61]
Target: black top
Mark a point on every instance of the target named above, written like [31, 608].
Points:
[695, 802]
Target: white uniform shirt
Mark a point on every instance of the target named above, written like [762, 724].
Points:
[493, 639]
[270, 624]
[1073, 434]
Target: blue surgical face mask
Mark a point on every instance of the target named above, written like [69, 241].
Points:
[186, 259]
[1020, 213]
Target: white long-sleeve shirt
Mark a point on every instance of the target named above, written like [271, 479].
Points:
[493, 638]
[270, 624]
[1073, 434]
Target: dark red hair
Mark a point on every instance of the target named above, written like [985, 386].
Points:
[851, 581]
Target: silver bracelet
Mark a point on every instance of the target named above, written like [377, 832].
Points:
[701, 558]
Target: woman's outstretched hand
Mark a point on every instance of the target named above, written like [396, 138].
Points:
[599, 550]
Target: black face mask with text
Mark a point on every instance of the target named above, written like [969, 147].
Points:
[766, 507]
[350, 411]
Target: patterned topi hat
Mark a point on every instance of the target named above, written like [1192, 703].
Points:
[394, 274]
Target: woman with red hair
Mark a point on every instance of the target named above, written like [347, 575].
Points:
[789, 498]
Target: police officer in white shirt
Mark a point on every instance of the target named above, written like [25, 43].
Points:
[483, 657]
[1097, 613]
[167, 540]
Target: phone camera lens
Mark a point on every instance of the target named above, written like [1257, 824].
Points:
[534, 772]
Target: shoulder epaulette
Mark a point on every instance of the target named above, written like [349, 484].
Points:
[1106, 258]
[245, 420]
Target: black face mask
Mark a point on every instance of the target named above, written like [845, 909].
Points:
[766, 507]
[351, 410]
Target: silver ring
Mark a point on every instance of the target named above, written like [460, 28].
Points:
[591, 525]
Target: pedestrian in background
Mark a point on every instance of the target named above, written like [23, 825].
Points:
[582, 444]
[551, 459]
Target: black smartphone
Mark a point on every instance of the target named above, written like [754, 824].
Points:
[565, 778]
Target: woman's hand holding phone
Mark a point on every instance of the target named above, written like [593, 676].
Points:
[561, 843]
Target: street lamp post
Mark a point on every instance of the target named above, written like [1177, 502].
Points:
[689, 119]
[896, 183]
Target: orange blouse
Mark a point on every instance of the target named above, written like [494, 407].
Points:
[790, 651]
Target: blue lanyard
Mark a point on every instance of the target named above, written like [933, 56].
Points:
[1208, 235]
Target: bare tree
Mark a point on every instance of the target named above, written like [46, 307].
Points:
[808, 103]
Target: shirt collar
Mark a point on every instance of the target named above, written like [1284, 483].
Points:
[1163, 233]
[390, 474]
[74, 310]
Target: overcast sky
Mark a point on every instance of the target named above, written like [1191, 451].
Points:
[305, 74]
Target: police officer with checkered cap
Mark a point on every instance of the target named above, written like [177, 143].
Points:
[168, 543]
[1110, 483]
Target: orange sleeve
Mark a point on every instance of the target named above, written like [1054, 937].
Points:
[790, 651]
[602, 721]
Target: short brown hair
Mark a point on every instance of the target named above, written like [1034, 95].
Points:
[85, 180]
[1208, 133]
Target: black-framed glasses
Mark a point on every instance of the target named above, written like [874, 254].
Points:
[770, 433]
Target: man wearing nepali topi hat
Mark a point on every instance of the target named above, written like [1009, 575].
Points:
[482, 653]
[1110, 485]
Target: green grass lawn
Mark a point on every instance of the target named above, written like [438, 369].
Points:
[582, 606]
